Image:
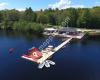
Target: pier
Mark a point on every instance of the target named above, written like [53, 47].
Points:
[48, 52]
[78, 36]
[46, 56]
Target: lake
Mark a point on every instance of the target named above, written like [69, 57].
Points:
[78, 60]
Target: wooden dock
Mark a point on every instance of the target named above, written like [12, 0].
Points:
[47, 54]
[50, 53]
[80, 36]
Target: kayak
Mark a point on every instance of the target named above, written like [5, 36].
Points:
[41, 65]
[51, 62]
[47, 64]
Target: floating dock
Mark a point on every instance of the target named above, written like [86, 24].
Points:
[47, 54]
[50, 53]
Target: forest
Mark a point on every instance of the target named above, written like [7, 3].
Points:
[36, 21]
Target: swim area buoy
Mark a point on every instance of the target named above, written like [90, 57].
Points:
[11, 50]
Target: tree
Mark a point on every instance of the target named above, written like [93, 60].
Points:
[52, 19]
[41, 18]
[72, 14]
[29, 19]
[29, 15]
[13, 15]
[65, 23]
[84, 19]
[95, 13]
[1, 17]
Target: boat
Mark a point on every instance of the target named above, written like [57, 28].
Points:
[47, 64]
[51, 62]
[41, 65]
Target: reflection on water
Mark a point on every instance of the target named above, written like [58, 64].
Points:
[15, 34]
[79, 60]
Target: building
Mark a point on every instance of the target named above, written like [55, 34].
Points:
[68, 30]
[49, 31]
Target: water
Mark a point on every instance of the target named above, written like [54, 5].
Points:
[79, 60]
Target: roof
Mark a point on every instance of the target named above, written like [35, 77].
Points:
[68, 29]
[50, 29]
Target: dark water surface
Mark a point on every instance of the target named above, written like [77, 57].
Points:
[79, 60]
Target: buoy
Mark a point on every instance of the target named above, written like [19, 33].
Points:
[11, 50]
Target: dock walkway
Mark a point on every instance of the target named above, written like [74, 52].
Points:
[46, 56]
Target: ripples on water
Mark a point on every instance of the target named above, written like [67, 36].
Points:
[79, 60]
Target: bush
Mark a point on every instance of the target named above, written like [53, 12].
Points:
[28, 26]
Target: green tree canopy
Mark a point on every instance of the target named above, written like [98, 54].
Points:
[29, 15]
[84, 19]
[42, 18]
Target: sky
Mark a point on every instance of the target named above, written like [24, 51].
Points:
[44, 4]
